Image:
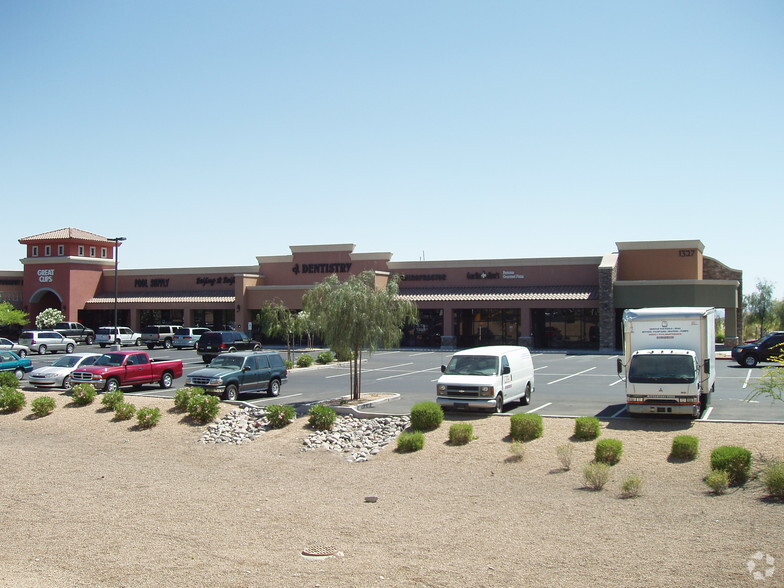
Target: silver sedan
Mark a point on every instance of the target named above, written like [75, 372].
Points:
[8, 345]
[58, 375]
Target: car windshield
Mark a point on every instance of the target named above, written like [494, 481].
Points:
[226, 361]
[67, 361]
[112, 359]
[662, 369]
[472, 365]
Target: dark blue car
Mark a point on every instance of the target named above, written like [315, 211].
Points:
[11, 362]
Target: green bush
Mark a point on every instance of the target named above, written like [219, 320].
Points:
[736, 461]
[83, 394]
[632, 486]
[587, 428]
[8, 380]
[718, 481]
[426, 416]
[43, 405]
[183, 396]
[112, 399]
[148, 417]
[773, 478]
[596, 475]
[461, 433]
[526, 427]
[203, 408]
[325, 357]
[11, 400]
[288, 363]
[608, 451]
[321, 417]
[304, 360]
[124, 411]
[685, 447]
[409, 442]
[279, 416]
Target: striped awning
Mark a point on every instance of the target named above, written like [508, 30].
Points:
[223, 297]
[501, 294]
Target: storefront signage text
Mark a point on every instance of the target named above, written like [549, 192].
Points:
[227, 280]
[321, 268]
[151, 283]
[504, 274]
[45, 275]
[423, 277]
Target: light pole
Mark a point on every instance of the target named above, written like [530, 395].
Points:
[117, 241]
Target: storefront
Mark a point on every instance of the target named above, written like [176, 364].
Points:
[549, 303]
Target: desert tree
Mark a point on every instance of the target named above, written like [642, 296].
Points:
[759, 304]
[276, 320]
[358, 315]
[11, 316]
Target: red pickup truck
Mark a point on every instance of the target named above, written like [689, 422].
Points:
[114, 370]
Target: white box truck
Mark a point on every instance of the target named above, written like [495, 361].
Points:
[669, 360]
[486, 378]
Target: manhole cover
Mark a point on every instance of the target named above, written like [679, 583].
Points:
[319, 550]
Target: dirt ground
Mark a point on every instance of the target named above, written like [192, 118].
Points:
[88, 501]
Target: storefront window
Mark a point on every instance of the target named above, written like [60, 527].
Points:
[427, 332]
[217, 320]
[161, 317]
[566, 328]
[494, 326]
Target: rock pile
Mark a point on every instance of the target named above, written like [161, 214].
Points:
[359, 439]
[239, 426]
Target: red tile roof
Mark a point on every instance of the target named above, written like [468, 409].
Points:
[500, 293]
[67, 233]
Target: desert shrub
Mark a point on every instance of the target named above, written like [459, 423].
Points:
[148, 417]
[279, 416]
[112, 399]
[736, 461]
[526, 427]
[8, 380]
[596, 475]
[203, 408]
[321, 417]
[587, 428]
[564, 453]
[124, 411]
[608, 451]
[773, 478]
[632, 486]
[11, 400]
[344, 355]
[718, 481]
[426, 416]
[83, 394]
[43, 405]
[685, 447]
[305, 360]
[325, 357]
[517, 449]
[288, 363]
[461, 433]
[183, 396]
[408, 442]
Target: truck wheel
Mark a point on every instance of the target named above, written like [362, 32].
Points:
[41, 349]
[230, 393]
[19, 373]
[526, 399]
[750, 360]
[703, 404]
[167, 344]
[166, 380]
[89, 340]
[112, 385]
[499, 403]
[274, 388]
[69, 348]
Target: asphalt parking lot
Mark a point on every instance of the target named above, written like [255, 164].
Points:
[567, 385]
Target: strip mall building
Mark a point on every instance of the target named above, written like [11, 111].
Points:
[557, 303]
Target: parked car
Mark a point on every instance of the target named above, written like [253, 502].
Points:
[154, 335]
[43, 341]
[114, 370]
[76, 331]
[232, 374]
[8, 345]
[764, 349]
[11, 362]
[212, 344]
[188, 336]
[123, 336]
[58, 375]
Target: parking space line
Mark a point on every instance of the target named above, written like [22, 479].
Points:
[746, 381]
[539, 408]
[571, 376]
[706, 415]
[616, 382]
[618, 413]
[276, 398]
[406, 374]
[367, 371]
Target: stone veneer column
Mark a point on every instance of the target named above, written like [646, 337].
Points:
[608, 271]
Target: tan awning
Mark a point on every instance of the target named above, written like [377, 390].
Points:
[500, 293]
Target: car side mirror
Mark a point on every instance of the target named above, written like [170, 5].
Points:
[619, 366]
[706, 366]
[443, 369]
[246, 368]
[506, 370]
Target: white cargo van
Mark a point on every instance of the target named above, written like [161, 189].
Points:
[486, 378]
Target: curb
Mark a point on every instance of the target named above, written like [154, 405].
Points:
[356, 410]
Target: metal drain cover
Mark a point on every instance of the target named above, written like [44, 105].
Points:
[319, 550]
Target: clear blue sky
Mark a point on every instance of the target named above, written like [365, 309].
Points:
[208, 133]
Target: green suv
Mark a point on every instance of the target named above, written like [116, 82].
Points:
[232, 374]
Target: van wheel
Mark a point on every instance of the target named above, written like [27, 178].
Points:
[499, 403]
[230, 393]
[41, 349]
[526, 399]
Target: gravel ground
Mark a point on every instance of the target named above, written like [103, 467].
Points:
[88, 501]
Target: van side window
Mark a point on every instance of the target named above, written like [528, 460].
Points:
[504, 363]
